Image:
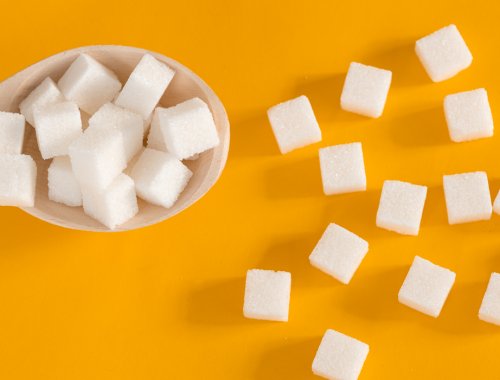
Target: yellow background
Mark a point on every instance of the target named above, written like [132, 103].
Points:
[165, 302]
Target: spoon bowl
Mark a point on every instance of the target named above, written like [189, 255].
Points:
[121, 60]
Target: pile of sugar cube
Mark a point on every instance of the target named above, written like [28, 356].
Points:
[105, 166]
[339, 252]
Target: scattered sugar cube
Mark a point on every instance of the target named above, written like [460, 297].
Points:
[267, 295]
[467, 197]
[128, 123]
[188, 128]
[365, 90]
[342, 168]
[113, 206]
[401, 207]
[294, 124]
[155, 137]
[17, 180]
[44, 94]
[11, 132]
[468, 115]
[443, 53]
[490, 307]
[98, 157]
[63, 186]
[339, 356]
[145, 86]
[339, 253]
[160, 177]
[496, 204]
[57, 126]
[426, 287]
[89, 84]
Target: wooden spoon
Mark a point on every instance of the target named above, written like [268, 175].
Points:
[122, 60]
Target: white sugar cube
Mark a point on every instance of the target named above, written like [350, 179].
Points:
[339, 253]
[145, 86]
[365, 90]
[468, 115]
[267, 295]
[98, 157]
[490, 307]
[159, 177]
[339, 356]
[401, 207]
[426, 287]
[12, 127]
[496, 204]
[467, 197]
[155, 137]
[63, 186]
[128, 123]
[443, 53]
[89, 84]
[342, 168]
[57, 126]
[44, 94]
[188, 128]
[294, 124]
[113, 206]
[17, 180]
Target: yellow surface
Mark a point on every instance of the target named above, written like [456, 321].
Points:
[165, 302]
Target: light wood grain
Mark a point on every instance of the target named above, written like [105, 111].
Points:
[121, 59]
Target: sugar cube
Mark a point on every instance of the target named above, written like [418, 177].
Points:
[57, 126]
[468, 115]
[365, 90]
[128, 123]
[155, 137]
[401, 207]
[339, 253]
[342, 168]
[267, 295]
[496, 204]
[443, 53]
[467, 197]
[490, 307]
[113, 206]
[339, 356]
[294, 124]
[159, 177]
[89, 84]
[145, 86]
[98, 157]
[63, 186]
[11, 132]
[188, 128]
[17, 180]
[44, 94]
[426, 287]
